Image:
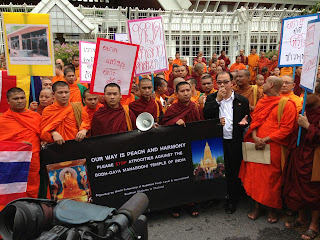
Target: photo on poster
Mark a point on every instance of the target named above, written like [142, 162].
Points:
[69, 180]
[28, 44]
[208, 159]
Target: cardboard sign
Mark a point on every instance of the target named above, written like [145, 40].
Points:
[293, 37]
[311, 56]
[149, 34]
[86, 54]
[114, 62]
[121, 37]
[28, 44]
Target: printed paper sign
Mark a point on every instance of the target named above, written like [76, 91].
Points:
[121, 37]
[149, 34]
[28, 44]
[86, 54]
[311, 56]
[293, 37]
[114, 62]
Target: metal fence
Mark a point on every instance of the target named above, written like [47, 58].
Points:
[188, 32]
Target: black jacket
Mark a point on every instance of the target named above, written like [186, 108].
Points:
[240, 110]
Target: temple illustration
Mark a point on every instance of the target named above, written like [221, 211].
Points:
[208, 162]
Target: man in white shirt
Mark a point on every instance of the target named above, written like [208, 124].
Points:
[233, 111]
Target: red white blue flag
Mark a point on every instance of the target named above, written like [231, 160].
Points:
[15, 161]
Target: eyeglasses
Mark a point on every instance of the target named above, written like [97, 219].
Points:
[224, 82]
[288, 83]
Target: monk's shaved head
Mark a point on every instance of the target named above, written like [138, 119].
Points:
[46, 90]
[59, 84]
[246, 72]
[277, 83]
[16, 98]
[45, 97]
[177, 80]
[192, 81]
[198, 67]
[14, 90]
[144, 80]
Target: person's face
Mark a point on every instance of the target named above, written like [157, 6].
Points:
[215, 56]
[182, 71]
[199, 59]
[274, 58]
[178, 56]
[267, 86]
[133, 87]
[260, 81]
[298, 70]
[45, 98]
[2, 58]
[58, 72]
[223, 53]
[91, 100]
[101, 98]
[288, 85]
[59, 61]
[175, 72]
[70, 77]
[219, 69]
[241, 52]
[170, 61]
[17, 101]
[238, 60]
[276, 72]
[67, 175]
[242, 79]
[145, 89]
[224, 81]
[222, 63]
[112, 96]
[46, 84]
[75, 61]
[253, 51]
[184, 93]
[184, 62]
[164, 87]
[263, 55]
[200, 54]
[213, 67]
[193, 87]
[206, 85]
[62, 95]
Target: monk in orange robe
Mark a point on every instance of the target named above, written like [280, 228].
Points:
[260, 82]
[169, 71]
[195, 94]
[146, 103]
[262, 182]
[22, 125]
[263, 62]
[177, 60]
[189, 68]
[273, 64]
[286, 71]
[199, 60]
[59, 74]
[237, 65]
[174, 97]
[286, 91]
[45, 99]
[91, 103]
[207, 87]
[126, 100]
[184, 110]
[76, 89]
[160, 89]
[252, 93]
[63, 120]
[253, 59]
[75, 62]
[112, 117]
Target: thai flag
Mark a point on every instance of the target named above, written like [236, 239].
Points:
[15, 160]
[6, 82]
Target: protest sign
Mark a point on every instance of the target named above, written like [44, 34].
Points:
[114, 62]
[149, 34]
[28, 44]
[293, 37]
[173, 165]
[311, 56]
[86, 54]
[121, 37]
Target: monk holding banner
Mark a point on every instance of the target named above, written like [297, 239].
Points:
[273, 121]
[112, 117]
[22, 125]
[63, 120]
[146, 103]
[301, 190]
[184, 110]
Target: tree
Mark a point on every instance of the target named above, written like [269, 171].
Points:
[313, 9]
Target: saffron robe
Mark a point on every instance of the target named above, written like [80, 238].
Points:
[61, 119]
[286, 71]
[226, 60]
[177, 61]
[294, 98]
[168, 72]
[109, 120]
[262, 182]
[24, 126]
[263, 62]
[195, 98]
[272, 65]
[92, 111]
[253, 62]
[126, 100]
[176, 111]
[75, 92]
[153, 107]
[299, 192]
[58, 78]
[248, 92]
[237, 66]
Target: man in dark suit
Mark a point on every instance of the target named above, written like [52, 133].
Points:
[233, 111]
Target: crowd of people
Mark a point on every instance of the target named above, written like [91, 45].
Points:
[255, 100]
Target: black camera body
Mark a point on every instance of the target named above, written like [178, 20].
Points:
[43, 219]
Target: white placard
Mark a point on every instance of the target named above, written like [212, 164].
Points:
[86, 54]
[293, 37]
[121, 37]
[114, 62]
[149, 34]
[311, 56]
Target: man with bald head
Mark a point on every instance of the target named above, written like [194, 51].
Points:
[263, 62]
[244, 59]
[182, 72]
[251, 92]
[189, 68]
[198, 70]
[273, 121]
[253, 59]
[45, 99]
[223, 65]
[174, 97]
[59, 61]
[287, 91]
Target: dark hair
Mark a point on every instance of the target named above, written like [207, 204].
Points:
[207, 76]
[74, 56]
[193, 81]
[158, 82]
[59, 84]
[112, 85]
[238, 56]
[70, 65]
[174, 66]
[85, 92]
[67, 70]
[265, 69]
[58, 65]
[222, 73]
[144, 80]
[222, 51]
[180, 84]
[14, 90]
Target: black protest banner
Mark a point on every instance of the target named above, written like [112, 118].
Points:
[173, 165]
